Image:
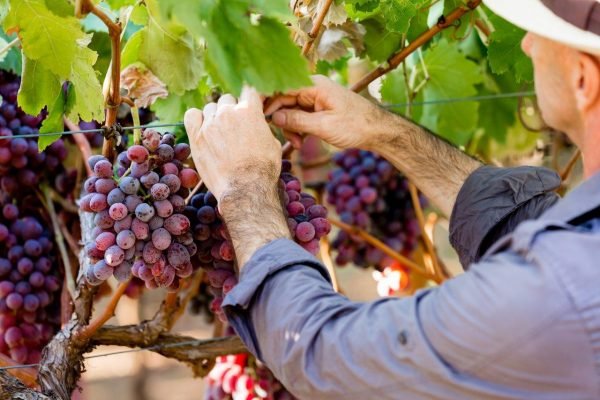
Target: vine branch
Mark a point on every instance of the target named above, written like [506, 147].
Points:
[107, 314]
[395, 60]
[314, 32]
[373, 241]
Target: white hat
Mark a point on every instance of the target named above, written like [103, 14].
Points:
[575, 23]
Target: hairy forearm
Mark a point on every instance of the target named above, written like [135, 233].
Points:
[435, 166]
[254, 217]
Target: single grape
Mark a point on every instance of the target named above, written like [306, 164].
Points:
[129, 185]
[118, 211]
[172, 181]
[103, 169]
[144, 212]
[126, 239]
[177, 224]
[102, 270]
[105, 240]
[137, 153]
[160, 191]
[149, 179]
[114, 256]
[140, 229]
[305, 231]
[164, 208]
[161, 239]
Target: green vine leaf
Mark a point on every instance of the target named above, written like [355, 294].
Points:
[505, 53]
[242, 47]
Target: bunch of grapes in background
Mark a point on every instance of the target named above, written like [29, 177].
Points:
[307, 222]
[21, 164]
[29, 281]
[138, 205]
[369, 193]
[240, 376]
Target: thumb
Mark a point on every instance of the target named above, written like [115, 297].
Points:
[298, 121]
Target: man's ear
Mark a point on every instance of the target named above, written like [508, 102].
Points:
[587, 85]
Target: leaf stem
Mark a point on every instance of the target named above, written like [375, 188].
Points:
[9, 46]
[60, 241]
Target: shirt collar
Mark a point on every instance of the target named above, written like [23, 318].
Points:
[584, 198]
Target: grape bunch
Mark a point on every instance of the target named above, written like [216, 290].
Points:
[21, 164]
[29, 283]
[239, 376]
[369, 193]
[307, 222]
[138, 209]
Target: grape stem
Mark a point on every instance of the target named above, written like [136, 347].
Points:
[88, 331]
[193, 286]
[373, 241]
[9, 46]
[396, 59]
[325, 248]
[318, 22]
[60, 241]
[27, 375]
[193, 192]
[435, 262]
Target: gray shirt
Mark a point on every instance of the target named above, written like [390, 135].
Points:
[522, 323]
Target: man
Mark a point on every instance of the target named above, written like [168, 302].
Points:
[522, 323]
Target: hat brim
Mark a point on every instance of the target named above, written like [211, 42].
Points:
[535, 17]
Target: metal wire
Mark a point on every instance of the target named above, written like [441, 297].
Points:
[463, 99]
[398, 105]
[155, 347]
[99, 130]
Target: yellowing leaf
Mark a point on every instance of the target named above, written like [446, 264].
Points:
[46, 37]
[142, 86]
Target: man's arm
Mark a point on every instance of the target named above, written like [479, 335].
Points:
[489, 334]
[345, 119]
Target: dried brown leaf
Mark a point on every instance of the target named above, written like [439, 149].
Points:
[142, 86]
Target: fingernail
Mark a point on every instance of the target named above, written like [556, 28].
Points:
[278, 118]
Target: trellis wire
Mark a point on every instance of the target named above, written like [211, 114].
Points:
[155, 347]
[398, 105]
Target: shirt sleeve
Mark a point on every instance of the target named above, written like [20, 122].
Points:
[493, 201]
[440, 343]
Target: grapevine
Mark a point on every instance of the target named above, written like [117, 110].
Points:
[140, 215]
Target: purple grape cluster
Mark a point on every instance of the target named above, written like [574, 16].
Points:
[369, 193]
[29, 284]
[307, 222]
[21, 164]
[138, 204]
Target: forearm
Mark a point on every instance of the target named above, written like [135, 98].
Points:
[254, 217]
[435, 166]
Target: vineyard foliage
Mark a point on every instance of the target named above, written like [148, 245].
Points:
[186, 50]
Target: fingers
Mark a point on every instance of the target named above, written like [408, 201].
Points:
[209, 112]
[278, 102]
[192, 120]
[226, 99]
[251, 97]
[298, 121]
[294, 138]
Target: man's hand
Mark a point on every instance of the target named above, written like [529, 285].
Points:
[232, 145]
[329, 111]
[239, 160]
[345, 119]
